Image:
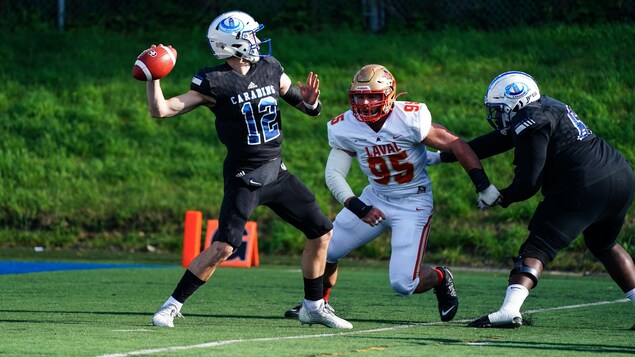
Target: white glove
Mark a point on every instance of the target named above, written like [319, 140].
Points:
[433, 158]
[489, 197]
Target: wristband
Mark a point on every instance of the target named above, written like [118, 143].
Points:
[479, 179]
[359, 208]
[311, 106]
[447, 157]
[313, 110]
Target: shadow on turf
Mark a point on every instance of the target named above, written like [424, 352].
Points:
[534, 346]
[218, 316]
[545, 346]
[568, 347]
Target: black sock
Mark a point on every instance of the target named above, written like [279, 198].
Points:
[187, 286]
[314, 288]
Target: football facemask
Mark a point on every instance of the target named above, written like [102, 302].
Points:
[372, 93]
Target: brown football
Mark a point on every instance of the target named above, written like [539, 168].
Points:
[154, 63]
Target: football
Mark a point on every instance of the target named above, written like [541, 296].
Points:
[154, 63]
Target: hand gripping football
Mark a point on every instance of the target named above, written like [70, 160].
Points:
[154, 63]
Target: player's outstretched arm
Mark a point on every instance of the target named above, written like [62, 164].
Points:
[442, 139]
[160, 107]
[304, 97]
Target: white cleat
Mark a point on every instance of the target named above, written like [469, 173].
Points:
[323, 316]
[164, 317]
[498, 320]
[293, 312]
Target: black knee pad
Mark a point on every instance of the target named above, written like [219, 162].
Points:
[535, 247]
[532, 248]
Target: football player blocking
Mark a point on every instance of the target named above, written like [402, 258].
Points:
[388, 138]
[243, 94]
[587, 187]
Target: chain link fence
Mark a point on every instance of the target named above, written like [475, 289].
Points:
[311, 15]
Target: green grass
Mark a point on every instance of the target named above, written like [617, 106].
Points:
[239, 313]
[84, 166]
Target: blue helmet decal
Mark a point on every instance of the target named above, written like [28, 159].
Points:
[516, 89]
[230, 25]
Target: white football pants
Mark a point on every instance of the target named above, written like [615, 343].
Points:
[409, 219]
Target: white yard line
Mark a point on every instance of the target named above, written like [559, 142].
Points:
[391, 328]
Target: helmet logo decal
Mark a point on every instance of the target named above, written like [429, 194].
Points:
[516, 89]
[507, 94]
[230, 25]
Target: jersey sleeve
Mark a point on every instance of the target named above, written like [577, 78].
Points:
[486, 145]
[275, 62]
[334, 130]
[528, 122]
[530, 157]
[200, 83]
[423, 121]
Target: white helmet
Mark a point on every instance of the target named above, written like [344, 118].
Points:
[507, 94]
[234, 34]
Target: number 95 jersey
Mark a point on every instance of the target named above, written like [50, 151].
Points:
[394, 159]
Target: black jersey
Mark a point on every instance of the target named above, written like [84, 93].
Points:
[248, 120]
[556, 150]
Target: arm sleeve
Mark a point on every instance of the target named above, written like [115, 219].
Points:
[293, 95]
[529, 157]
[337, 167]
[490, 144]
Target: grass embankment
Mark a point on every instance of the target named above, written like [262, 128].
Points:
[84, 165]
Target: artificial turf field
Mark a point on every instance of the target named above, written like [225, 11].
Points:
[107, 312]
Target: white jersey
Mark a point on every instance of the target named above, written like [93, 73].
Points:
[394, 159]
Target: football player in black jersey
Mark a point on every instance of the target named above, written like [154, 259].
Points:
[587, 187]
[243, 94]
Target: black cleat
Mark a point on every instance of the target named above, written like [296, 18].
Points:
[446, 295]
[633, 328]
[294, 312]
[515, 322]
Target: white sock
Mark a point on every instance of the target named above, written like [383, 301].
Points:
[631, 296]
[314, 305]
[174, 302]
[514, 298]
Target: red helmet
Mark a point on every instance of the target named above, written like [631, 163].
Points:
[372, 80]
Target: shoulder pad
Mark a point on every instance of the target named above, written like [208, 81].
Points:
[527, 121]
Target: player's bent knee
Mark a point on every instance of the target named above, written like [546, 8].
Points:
[599, 251]
[222, 249]
[336, 251]
[403, 286]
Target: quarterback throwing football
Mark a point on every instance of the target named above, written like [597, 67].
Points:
[243, 93]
